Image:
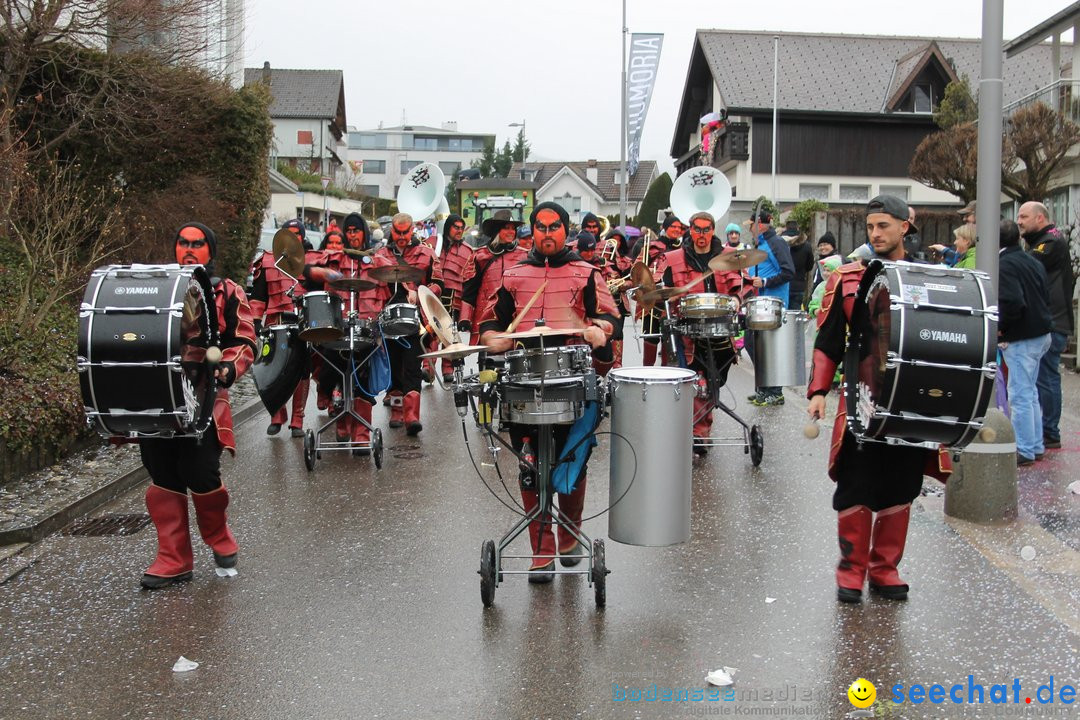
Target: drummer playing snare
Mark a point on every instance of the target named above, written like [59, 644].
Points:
[874, 477]
[569, 294]
[682, 267]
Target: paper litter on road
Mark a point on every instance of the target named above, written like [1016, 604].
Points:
[769, 600]
[1074, 487]
[722, 677]
[225, 572]
[183, 665]
[1027, 553]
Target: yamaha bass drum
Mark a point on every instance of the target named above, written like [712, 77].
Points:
[921, 359]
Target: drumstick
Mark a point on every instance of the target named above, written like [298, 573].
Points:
[528, 307]
[213, 355]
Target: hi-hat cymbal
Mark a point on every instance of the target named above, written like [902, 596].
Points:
[396, 274]
[288, 252]
[737, 260]
[351, 284]
[455, 351]
[436, 315]
[541, 331]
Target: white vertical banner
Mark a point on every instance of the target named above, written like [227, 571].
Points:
[642, 64]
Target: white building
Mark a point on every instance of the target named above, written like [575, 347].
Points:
[588, 186]
[383, 157]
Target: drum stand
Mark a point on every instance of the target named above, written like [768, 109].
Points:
[313, 443]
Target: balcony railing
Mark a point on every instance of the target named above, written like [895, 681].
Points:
[1063, 95]
[731, 144]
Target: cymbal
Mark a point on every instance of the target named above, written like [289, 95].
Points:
[396, 274]
[436, 315]
[351, 284]
[541, 331]
[652, 296]
[642, 277]
[288, 252]
[455, 351]
[738, 260]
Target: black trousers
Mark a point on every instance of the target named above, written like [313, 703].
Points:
[182, 464]
[877, 475]
[405, 375]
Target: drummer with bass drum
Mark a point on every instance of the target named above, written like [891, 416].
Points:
[565, 293]
[872, 478]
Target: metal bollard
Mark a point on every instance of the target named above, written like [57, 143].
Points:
[982, 488]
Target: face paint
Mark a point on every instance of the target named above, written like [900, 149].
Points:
[192, 247]
[355, 236]
[549, 232]
[702, 234]
[456, 231]
[333, 242]
[402, 234]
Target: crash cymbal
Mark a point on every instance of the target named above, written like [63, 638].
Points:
[396, 274]
[455, 351]
[351, 284]
[288, 252]
[541, 331]
[642, 277]
[437, 317]
[653, 296]
[737, 260]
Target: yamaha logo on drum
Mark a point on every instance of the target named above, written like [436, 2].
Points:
[942, 336]
[144, 290]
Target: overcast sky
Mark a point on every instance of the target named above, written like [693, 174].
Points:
[554, 64]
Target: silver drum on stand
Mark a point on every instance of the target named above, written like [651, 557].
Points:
[652, 410]
[780, 354]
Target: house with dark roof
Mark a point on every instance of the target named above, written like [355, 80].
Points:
[584, 186]
[308, 111]
[851, 110]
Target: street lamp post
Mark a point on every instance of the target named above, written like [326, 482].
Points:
[524, 151]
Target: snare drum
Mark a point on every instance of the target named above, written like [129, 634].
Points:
[399, 320]
[921, 361]
[717, 327]
[764, 312]
[559, 401]
[320, 317]
[358, 338]
[143, 334]
[531, 366]
[707, 305]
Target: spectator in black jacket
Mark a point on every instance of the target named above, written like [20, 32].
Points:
[1024, 324]
[1050, 247]
[802, 257]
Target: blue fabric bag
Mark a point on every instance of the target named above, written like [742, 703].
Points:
[571, 464]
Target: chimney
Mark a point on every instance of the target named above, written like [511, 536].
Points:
[592, 173]
[266, 73]
[450, 125]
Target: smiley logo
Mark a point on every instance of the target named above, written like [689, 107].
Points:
[862, 693]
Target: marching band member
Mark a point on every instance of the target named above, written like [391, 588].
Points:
[269, 301]
[575, 295]
[586, 249]
[179, 465]
[671, 238]
[353, 261]
[682, 267]
[506, 249]
[452, 271]
[872, 477]
[405, 368]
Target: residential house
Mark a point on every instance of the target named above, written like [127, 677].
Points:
[588, 185]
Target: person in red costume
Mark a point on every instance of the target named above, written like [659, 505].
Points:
[670, 238]
[452, 271]
[683, 266]
[354, 260]
[270, 301]
[871, 478]
[585, 246]
[185, 464]
[576, 296]
[405, 366]
[506, 249]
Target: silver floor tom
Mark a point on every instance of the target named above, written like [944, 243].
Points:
[652, 412]
[534, 365]
[764, 312]
[560, 401]
[780, 354]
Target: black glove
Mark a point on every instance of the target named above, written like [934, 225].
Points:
[464, 325]
[228, 377]
[258, 326]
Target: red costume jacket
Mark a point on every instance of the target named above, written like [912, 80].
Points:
[236, 338]
[268, 290]
[677, 272]
[452, 270]
[488, 267]
[368, 302]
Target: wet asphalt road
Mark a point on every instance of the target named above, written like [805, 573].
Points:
[357, 596]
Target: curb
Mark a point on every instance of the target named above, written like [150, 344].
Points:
[92, 501]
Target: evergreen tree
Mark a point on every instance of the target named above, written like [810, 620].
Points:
[521, 147]
[656, 199]
[486, 163]
[504, 161]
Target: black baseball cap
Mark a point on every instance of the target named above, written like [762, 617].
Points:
[891, 205]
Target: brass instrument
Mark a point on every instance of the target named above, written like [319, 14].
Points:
[615, 285]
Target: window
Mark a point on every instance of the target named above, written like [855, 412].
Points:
[450, 169]
[367, 141]
[855, 193]
[812, 191]
[454, 144]
[375, 167]
[423, 143]
[1058, 205]
[900, 191]
[922, 96]
[407, 165]
[572, 205]
[470, 144]
[304, 137]
[369, 190]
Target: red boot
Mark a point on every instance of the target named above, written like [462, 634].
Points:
[570, 549]
[299, 402]
[214, 526]
[411, 408]
[277, 420]
[541, 544]
[447, 370]
[397, 412]
[702, 424]
[360, 431]
[887, 548]
[853, 530]
[174, 561]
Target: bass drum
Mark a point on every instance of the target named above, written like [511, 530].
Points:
[143, 335]
[281, 362]
[921, 361]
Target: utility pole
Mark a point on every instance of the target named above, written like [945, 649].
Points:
[622, 126]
